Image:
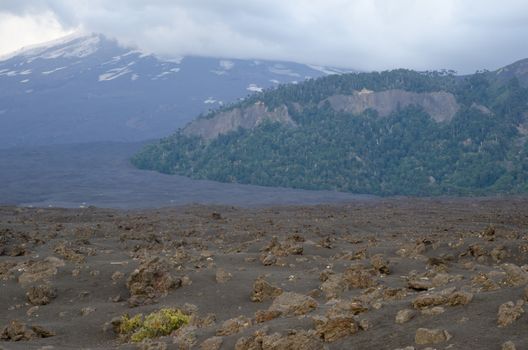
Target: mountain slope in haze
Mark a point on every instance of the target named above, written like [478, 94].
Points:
[87, 88]
[397, 132]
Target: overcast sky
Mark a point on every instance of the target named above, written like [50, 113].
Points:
[464, 35]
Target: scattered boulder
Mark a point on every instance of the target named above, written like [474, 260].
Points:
[333, 286]
[419, 284]
[41, 295]
[305, 340]
[222, 276]
[335, 327]
[459, 298]
[213, 343]
[290, 246]
[380, 264]
[428, 300]
[509, 313]
[295, 339]
[435, 310]
[499, 253]
[233, 326]
[150, 344]
[185, 336]
[67, 252]
[425, 336]
[449, 296]
[268, 259]
[117, 276]
[151, 280]
[509, 345]
[43, 270]
[17, 331]
[484, 282]
[359, 277]
[290, 303]
[515, 276]
[489, 233]
[348, 307]
[85, 311]
[404, 316]
[266, 315]
[263, 290]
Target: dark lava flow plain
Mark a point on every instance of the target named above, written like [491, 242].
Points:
[100, 175]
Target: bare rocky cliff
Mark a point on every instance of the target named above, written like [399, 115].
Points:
[441, 106]
[245, 118]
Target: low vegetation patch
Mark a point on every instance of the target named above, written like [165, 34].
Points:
[156, 324]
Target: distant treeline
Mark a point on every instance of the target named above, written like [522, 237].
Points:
[408, 153]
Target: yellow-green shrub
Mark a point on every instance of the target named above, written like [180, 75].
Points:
[156, 324]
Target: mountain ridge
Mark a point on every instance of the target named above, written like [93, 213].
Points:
[88, 88]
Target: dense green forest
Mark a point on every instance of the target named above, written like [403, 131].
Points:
[408, 153]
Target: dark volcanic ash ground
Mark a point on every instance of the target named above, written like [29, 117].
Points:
[384, 274]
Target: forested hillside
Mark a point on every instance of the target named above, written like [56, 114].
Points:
[389, 133]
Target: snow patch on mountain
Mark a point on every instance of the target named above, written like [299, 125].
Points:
[9, 73]
[53, 70]
[254, 88]
[164, 74]
[282, 70]
[115, 73]
[327, 70]
[80, 48]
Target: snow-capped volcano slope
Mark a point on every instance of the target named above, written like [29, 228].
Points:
[86, 88]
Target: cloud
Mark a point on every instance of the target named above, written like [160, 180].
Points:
[17, 31]
[465, 35]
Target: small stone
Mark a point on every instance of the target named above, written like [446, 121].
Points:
[266, 315]
[336, 327]
[117, 276]
[186, 281]
[435, 310]
[85, 311]
[290, 303]
[509, 313]
[222, 276]
[380, 264]
[32, 311]
[149, 344]
[404, 316]
[233, 326]
[359, 277]
[515, 276]
[333, 286]
[213, 343]
[509, 345]
[459, 298]
[151, 280]
[425, 336]
[427, 300]
[41, 294]
[262, 290]
[268, 259]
